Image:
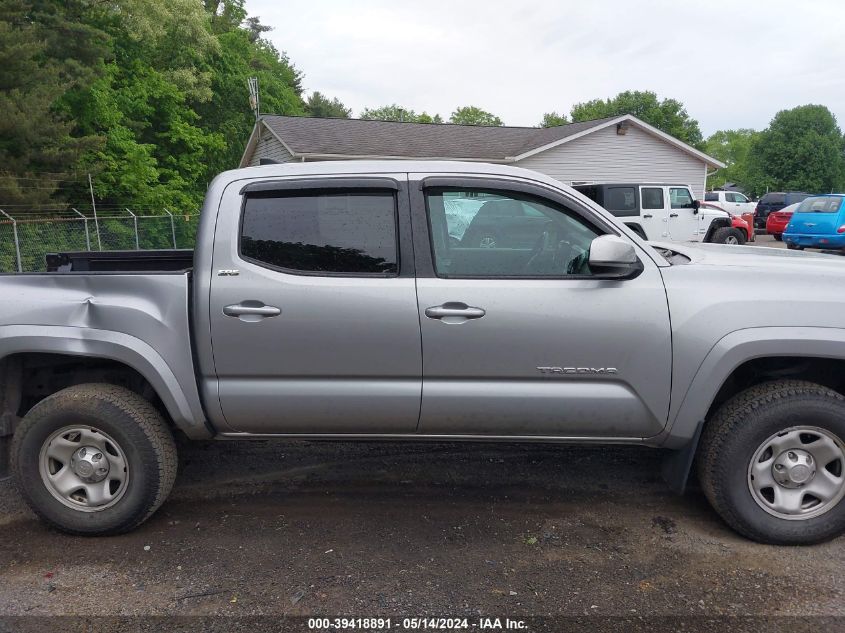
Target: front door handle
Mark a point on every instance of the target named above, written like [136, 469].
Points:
[673, 215]
[251, 310]
[454, 312]
[648, 215]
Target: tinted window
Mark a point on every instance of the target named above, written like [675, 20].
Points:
[652, 197]
[350, 232]
[774, 198]
[798, 197]
[621, 199]
[540, 240]
[680, 198]
[711, 196]
[820, 205]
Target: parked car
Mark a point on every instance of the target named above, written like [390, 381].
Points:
[778, 220]
[742, 223]
[731, 201]
[775, 201]
[328, 301]
[664, 212]
[818, 222]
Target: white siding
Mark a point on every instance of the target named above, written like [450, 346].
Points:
[605, 156]
[268, 146]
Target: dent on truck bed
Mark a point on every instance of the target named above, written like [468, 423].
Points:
[139, 320]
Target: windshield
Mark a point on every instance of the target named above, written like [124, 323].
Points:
[820, 205]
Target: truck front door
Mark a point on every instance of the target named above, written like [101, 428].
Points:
[525, 340]
[684, 219]
[313, 308]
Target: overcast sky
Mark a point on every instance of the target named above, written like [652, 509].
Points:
[733, 64]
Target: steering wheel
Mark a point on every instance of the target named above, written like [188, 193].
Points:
[550, 254]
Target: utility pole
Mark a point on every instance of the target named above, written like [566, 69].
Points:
[94, 206]
[254, 101]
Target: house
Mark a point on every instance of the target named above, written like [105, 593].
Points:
[616, 149]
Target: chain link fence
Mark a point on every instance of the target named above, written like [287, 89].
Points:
[26, 237]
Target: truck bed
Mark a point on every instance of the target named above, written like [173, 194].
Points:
[121, 261]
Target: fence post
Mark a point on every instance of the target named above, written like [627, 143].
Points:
[172, 227]
[17, 242]
[135, 222]
[87, 235]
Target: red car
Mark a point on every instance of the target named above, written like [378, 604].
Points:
[777, 221]
[742, 222]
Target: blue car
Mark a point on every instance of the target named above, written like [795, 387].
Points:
[818, 222]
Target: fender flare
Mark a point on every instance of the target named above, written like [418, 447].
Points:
[181, 399]
[733, 350]
[737, 348]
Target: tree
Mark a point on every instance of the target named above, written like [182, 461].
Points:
[319, 105]
[667, 115]
[45, 54]
[733, 148]
[391, 112]
[802, 149]
[553, 119]
[425, 117]
[472, 115]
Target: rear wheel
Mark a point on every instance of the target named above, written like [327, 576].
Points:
[94, 459]
[772, 463]
[728, 235]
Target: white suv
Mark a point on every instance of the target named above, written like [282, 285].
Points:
[731, 201]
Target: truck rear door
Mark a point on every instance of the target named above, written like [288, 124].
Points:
[654, 211]
[313, 308]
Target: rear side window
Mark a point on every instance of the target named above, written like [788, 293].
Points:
[820, 205]
[711, 196]
[774, 198]
[621, 201]
[352, 232]
[652, 197]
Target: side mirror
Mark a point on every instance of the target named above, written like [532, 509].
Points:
[696, 205]
[612, 256]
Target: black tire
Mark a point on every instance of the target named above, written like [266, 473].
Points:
[794, 247]
[731, 439]
[728, 234]
[778, 237]
[136, 426]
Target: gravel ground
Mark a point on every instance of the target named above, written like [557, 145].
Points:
[300, 528]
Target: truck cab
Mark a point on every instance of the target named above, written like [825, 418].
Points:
[663, 212]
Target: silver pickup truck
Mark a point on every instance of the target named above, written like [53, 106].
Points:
[430, 301]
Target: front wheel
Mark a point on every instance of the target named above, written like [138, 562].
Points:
[728, 235]
[772, 463]
[94, 459]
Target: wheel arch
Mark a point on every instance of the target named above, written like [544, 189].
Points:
[180, 399]
[738, 361]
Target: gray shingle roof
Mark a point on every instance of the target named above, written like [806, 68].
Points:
[358, 137]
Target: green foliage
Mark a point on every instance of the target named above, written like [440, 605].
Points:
[150, 96]
[553, 119]
[425, 117]
[667, 115]
[320, 105]
[45, 53]
[390, 113]
[472, 115]
[802, 150]
[732, 147]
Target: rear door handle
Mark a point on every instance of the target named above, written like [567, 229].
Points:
[454, 312]
[251, 310]
[648, 215]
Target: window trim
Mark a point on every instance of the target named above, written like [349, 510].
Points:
[291, 189]
[504, 188]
